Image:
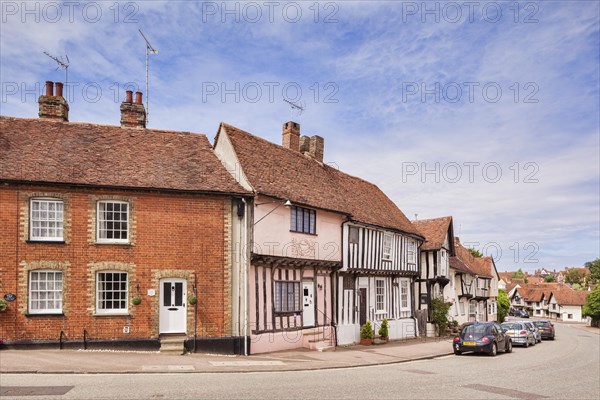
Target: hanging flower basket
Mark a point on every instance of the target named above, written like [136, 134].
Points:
[3, 305]
[192, 300]
[136, 301]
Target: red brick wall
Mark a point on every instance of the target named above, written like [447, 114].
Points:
[172, 235]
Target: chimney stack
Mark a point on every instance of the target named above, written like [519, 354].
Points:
[51, 106]
[291, 135]
[133, 115]
[312, 146]
[316, 147]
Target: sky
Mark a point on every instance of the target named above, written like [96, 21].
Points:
[487, 111]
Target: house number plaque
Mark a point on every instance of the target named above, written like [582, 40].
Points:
[10, 297]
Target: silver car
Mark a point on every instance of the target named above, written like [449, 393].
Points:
[537, 334]
[519, 333]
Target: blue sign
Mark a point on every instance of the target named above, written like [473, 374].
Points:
[10, 297]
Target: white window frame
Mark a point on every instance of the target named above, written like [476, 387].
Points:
[380, 296]
[50, 287]
[57, 221]
[100, 290]
[404, 295]
[462, 308]
[100, 221]
[411, 252]
[443, 263]
[388, 239]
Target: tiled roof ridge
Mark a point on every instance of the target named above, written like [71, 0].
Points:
[90, 124]
[300, 155]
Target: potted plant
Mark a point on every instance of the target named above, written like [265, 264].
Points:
[136, 300]
[192, 300]
[384, 330]
[366, 334]
[3, 305]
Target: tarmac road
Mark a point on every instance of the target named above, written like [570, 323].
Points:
[567, 368]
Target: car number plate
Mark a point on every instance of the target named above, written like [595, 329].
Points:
[469, 343]
[510, 334]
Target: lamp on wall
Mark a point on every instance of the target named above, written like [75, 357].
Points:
[286, 204]
[320, 286]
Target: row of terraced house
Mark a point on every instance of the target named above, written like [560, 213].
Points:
[125, 236]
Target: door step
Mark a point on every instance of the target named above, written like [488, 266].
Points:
[172, 344]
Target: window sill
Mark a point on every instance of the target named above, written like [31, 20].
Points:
[125, 314]
[45, 241]
[304, 233]
[45, 315]
[115, 243]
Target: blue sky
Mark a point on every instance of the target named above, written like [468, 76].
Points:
[485, 111]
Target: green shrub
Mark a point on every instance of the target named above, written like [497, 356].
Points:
[439, 314]
[366, 332]
[384, 329]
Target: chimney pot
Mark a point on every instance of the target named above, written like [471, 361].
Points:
[49, 88]
[59, 89]
[133, 115]
[53, 107]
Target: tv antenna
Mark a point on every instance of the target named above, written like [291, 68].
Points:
[62, 64]
[149, 49]
[297, 108]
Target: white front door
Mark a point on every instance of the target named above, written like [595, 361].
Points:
[172, 313]
[308, 305]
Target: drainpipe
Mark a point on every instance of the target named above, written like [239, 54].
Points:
[195, 313]
[245, 255]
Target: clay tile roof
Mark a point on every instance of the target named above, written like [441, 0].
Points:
[464, 261]
[276, 171]
[46, 151]
[570, 297]
[435, 231]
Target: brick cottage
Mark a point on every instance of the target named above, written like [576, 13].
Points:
[108, 233]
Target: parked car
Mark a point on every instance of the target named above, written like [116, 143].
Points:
[534, 329]
[546, 328]
[482, 337]
[519, 313]
[519, 333]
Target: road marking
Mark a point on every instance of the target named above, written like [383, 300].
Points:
[34, 390]
[420, 371]
[168, 368]
[244, 363]
[517, 394]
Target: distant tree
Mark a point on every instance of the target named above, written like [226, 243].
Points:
[594, 267]
[503, 305]
[573, 276]
[549, 279]
[476, 253]
[591, 308]
[519, 274]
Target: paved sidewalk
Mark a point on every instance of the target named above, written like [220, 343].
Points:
[97, 361]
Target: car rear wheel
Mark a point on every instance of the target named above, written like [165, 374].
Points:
[457, 352]
[508, 347]
[526, 343]
[494, 350]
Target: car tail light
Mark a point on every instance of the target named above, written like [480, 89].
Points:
[523, 333]
[485, 340]
[456, 339]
